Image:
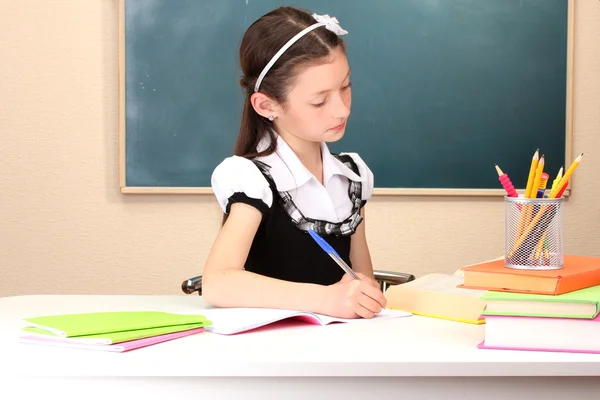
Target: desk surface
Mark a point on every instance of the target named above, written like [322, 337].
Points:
[406, 347]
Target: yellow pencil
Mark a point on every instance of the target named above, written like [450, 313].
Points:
[525, 210]
[566, 177]
[529, 209]
[538, 177]
[531, 177]
[557, 179]
[540, 245]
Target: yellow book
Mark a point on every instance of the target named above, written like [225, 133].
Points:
[437, 296]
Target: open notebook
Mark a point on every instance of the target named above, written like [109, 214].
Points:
[229, 321]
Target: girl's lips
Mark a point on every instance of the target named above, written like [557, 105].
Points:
[339, 127]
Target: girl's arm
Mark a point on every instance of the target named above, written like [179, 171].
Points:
[225, 283]
[359, 250]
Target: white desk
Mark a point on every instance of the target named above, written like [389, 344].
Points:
[413, 358]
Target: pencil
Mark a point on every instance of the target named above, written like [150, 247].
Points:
[566, 176]
[561, 191]
[557, 179]
[538, 178]
[506, 183]
[526, 209]
[540, 245]
[532, 168]
[529, 209]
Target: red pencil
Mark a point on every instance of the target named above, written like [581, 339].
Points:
[561, 191]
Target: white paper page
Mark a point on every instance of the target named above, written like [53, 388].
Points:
[233, 320]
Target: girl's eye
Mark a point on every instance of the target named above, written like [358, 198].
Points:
[319, 104]
[348, 86]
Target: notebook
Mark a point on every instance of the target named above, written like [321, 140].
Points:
[31, 332]
[579, 272]
[229, 321]
[118, 347]
[583, 303]
[69, 325]
[437, 295]
[542, 334]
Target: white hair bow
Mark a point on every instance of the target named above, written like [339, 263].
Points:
[331, 23]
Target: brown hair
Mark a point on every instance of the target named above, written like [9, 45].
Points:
[261, 41]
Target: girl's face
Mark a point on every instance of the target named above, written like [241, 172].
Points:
[318, 105]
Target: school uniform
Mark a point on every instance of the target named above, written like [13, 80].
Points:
[292, 201]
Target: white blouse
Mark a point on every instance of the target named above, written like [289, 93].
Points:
[328, 201]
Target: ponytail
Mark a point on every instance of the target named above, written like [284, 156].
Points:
[252, 129]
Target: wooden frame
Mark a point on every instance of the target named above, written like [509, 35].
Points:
[377, 191]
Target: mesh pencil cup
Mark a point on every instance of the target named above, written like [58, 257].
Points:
[533, 233]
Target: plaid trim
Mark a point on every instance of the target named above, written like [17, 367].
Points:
[344, 228]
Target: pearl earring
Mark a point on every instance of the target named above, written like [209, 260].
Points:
[271, 118]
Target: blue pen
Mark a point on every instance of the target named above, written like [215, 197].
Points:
[332, 253]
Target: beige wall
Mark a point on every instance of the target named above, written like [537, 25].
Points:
[66, 228]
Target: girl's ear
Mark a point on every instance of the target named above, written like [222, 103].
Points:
[264, 105]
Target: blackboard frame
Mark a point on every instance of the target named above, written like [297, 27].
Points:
[378, 191]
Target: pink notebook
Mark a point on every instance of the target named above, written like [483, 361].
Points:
[117, 348]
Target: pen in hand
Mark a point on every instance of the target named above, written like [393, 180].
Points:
[339, 261]
[333, 254]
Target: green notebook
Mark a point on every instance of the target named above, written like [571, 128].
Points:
[583, 303]
[111, 337]
[72, 325]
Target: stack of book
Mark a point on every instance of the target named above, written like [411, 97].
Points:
[110, 331]
[439, 296]
[552, 310]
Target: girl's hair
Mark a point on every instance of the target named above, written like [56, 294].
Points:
[262, 40]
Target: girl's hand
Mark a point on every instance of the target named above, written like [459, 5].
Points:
[363, 277]
[351, 298]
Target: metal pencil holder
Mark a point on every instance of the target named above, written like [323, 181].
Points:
[534, 233]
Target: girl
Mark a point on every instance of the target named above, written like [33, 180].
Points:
[283, 180]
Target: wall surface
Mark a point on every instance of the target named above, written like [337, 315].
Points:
[66, 228]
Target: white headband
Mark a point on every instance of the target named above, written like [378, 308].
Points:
[330, 23]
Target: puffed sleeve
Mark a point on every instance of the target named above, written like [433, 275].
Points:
[237, 179]
[364, 172]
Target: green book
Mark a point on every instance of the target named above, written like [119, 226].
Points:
[110, 337]
[72, 325]
[583, 303]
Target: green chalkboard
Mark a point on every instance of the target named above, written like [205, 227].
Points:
[442, 89]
